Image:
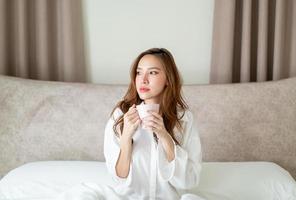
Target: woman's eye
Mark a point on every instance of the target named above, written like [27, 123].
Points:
[154, 72]
[138, 73]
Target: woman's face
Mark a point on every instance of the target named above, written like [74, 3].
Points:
[150, 79]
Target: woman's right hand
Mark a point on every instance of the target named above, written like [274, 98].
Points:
[131, 122]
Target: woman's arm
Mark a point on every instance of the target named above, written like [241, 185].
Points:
[179, 165]
[168, 145]
[118, 150]
[131, 123]
[125, 155]
[156, 124]
[183, 171]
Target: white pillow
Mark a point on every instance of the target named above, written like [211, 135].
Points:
[218, 181]
[245, 181]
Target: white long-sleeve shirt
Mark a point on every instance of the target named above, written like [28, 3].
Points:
[151, 176]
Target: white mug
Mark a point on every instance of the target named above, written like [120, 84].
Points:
[144, 108]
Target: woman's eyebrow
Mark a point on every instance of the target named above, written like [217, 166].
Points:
[150, 68]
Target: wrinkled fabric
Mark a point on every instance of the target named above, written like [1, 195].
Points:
[151, 176]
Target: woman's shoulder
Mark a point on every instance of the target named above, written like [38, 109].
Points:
[117, 113]
[185, 115]
[186, 119]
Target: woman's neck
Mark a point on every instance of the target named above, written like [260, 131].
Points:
[151, 101]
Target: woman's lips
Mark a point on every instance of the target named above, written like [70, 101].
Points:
[144, 89]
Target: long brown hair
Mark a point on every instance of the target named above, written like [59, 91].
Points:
[172, 100]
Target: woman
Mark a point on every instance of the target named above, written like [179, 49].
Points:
[158, 157]
[163, 166]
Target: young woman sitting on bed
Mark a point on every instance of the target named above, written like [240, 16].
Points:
[165, 165]
[158, 156]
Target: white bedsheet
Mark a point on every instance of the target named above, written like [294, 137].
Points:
[219, 181]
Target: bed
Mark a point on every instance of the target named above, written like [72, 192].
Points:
[51, 138]
[219, 180]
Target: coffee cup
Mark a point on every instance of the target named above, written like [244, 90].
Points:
[144, 108]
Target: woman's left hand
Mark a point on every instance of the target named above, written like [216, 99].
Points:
[154, 122]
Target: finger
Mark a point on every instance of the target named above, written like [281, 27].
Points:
[134, 114]
[146, 126]
[150, 122]
[152, 125]
[133, 106]
[155, 114]
[137, 123]
[131, 111]
[134, 119]
[131, 119]
[153, 119]
[150, 128]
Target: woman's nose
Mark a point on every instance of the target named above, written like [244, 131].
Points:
[145, 78]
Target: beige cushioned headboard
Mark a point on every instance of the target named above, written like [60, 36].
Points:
[41, 120]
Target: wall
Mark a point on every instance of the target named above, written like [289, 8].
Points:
[117, 31]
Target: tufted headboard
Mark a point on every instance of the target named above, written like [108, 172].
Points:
[42, 120]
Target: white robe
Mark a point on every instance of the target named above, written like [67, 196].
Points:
[150, 176]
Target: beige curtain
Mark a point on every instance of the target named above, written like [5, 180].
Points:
[42, 39]
[253, 40]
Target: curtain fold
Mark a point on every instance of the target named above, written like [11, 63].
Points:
[42, 39]
[253, 41]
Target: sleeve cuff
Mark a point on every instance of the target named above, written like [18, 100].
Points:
[126, 180]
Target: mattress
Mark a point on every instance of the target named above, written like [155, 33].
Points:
[219, 180]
